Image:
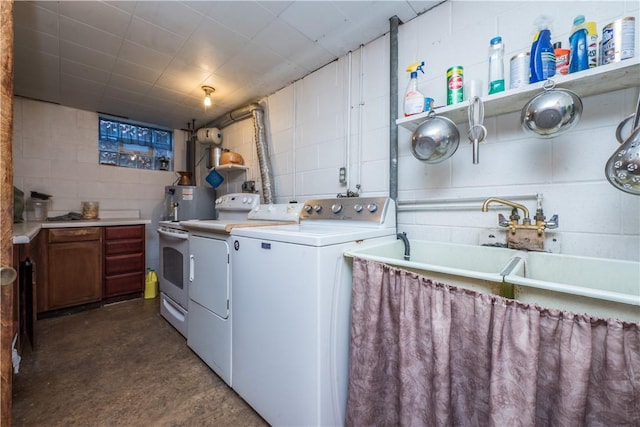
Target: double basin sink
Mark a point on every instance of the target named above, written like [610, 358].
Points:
[599, 287]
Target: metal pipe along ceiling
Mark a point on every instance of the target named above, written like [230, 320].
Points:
[264, 162]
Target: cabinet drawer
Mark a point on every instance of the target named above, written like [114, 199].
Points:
[121, 264]
[123, 284]
[58, 235]
[118, 247]
[124, 232]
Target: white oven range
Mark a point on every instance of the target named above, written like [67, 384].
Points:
[210, 281]
[187, 202]
[172, 278]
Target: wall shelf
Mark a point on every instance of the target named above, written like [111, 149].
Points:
[606, 78]
[230, 167]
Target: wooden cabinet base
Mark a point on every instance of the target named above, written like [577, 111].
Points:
[84, 266]
[124, 260]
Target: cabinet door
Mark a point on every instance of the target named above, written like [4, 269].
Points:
[74, 273]
[123, 264]
[118, 232]
[123, 284]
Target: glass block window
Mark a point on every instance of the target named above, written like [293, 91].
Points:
[132, 145]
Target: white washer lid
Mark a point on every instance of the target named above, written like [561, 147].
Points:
[313, 234]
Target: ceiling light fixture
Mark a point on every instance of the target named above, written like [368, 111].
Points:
[208, 90]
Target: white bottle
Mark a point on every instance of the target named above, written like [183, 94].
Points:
[414, 102]
[496, 65]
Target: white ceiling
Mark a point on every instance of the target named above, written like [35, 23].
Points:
[147, 60]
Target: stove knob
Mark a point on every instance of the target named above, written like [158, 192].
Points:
[336, 208]
[317, 208]
[271, 208]
[358, 207]
[372, 207]
[308, 208]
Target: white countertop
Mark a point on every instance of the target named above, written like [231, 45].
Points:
[25, 232]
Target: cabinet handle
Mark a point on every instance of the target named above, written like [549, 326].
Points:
[191, 267]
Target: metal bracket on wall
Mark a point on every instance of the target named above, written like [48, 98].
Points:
[342, 175]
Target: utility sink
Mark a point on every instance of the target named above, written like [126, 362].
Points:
[473, 267]
[597, 286]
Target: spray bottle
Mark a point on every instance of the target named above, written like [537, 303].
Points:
[579, 59]
[414, 101]
[543, 59]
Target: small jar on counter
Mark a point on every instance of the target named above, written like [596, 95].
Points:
[90, 210]
[37, 209]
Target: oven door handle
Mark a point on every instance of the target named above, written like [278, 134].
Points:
[171, 235]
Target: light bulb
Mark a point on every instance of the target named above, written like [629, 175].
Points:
[208, 90]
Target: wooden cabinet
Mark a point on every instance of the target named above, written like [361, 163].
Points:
[85, 265]
[124, 260]
[74, 267]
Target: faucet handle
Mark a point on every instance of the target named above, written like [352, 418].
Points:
[553, 222]
[514, 215]
[502, 221]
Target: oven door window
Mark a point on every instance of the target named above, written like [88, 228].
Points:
[172, 266]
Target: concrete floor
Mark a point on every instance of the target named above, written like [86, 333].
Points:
[121, 364]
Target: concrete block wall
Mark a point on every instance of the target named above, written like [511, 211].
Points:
[55, 151]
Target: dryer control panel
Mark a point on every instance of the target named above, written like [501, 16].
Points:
[238, 202]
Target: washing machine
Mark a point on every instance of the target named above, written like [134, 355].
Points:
[291, 303]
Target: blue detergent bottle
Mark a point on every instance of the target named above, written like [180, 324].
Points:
[579, 59]
[543, 59]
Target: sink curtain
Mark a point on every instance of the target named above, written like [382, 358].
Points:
[428, 354]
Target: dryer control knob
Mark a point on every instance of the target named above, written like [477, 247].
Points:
[358, 207]
[317, 208]
[372, 207]
[308, 208]
[336, 208]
